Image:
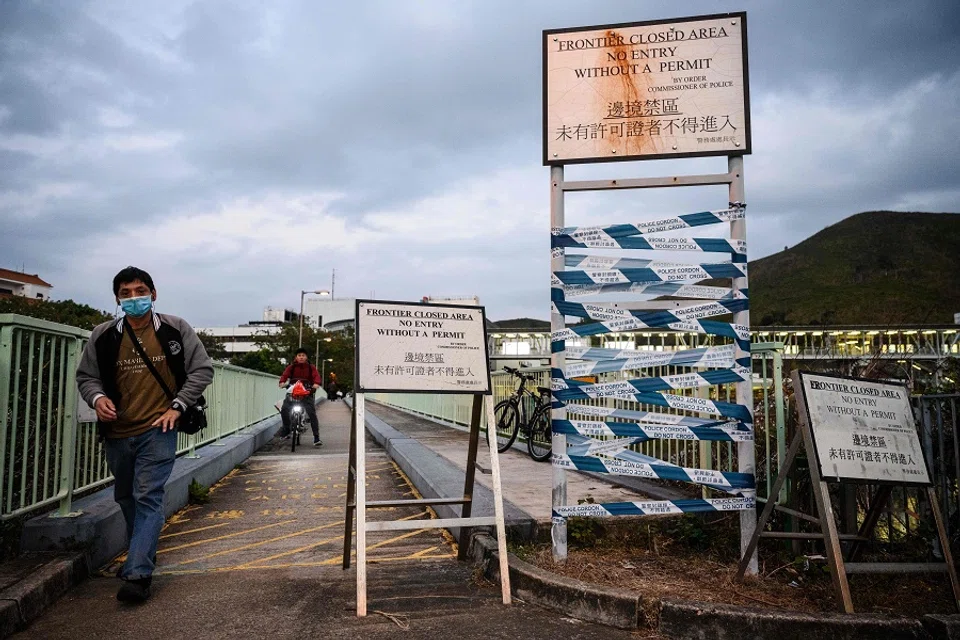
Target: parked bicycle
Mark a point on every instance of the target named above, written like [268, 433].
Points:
[526, 412]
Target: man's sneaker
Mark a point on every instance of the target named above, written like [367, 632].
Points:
[134, 591]
[317, 442]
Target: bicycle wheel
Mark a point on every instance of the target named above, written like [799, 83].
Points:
[540, 437]
[295, 433]
[507, 418]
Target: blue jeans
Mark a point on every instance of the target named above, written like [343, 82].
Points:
[141, 466]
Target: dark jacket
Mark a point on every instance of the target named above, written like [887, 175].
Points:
[188, 361]
[305, 373]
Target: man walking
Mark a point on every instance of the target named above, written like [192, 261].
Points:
[134, 415]
[301, 371]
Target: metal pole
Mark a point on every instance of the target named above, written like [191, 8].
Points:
[300, 341]
[558, 529]
[746, 456]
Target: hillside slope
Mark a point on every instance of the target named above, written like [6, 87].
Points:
[877, 267]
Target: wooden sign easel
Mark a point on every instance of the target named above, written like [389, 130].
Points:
[356, 487]
[840, 567]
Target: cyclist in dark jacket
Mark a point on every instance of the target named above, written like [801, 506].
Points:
[301, 371]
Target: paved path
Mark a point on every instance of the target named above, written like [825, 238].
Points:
[262, 559]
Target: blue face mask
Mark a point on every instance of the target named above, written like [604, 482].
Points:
[136, 307]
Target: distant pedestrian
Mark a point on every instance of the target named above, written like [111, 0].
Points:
[134, 415]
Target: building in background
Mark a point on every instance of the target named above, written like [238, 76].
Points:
[243, 338]
[15, 283]
[330, 314]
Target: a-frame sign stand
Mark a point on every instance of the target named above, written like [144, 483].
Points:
[839, 566]
[358, 504]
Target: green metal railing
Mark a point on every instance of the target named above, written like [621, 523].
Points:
[769, 418]
[46, 455]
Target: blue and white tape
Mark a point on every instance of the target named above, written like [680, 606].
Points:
[655, 507]
[561, 291]
[650, 417]
[689, 403]
[607, 237]
[639, 432]
[654, 272]
[624, 360]
[564, 389]
[722, 480]
[659, 319]
[651, 243]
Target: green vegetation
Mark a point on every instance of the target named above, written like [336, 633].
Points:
[63, 311]
[276, 352]
[199, 494]
[877, 267]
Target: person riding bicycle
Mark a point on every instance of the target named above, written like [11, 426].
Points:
[301, 371]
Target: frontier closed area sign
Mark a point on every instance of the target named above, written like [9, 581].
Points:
[643, 90]
[410, 347]
[863, 430]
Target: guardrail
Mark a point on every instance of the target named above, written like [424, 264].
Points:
[46, 455]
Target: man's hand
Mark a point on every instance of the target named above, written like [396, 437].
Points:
[106, 411]
[168, 420]
[283, 384]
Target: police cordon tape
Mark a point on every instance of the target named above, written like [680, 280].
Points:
[561, 291]
[651, 417]
[655, 507]
[725, 432]
[738, 248]
[655, 272]
[608, 237]
[562, 390]
[686, 403]
[597, 360]
[603, 446]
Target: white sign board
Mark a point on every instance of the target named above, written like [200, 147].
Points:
[411, 347]
[863, 430]
[643, 90]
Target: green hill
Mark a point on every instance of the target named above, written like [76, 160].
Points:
[877, 267]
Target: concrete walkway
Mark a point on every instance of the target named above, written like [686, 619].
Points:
[262, 559]
[525, 482]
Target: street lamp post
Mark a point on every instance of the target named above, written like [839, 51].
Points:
[319, 292]
[323, 367]
[316, 354]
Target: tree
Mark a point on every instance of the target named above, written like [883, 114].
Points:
[276, 351]
[214, 345]
[65, 312]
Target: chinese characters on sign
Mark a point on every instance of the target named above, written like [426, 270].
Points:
[646, 89]
[419, 347]
[863, 430]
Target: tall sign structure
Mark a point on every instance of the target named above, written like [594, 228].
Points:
[649, 90]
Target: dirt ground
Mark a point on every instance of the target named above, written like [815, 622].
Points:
[679, 562]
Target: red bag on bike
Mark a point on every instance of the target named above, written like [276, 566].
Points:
[298, 390]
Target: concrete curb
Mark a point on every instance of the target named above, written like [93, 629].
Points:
[685, 620]
[436, 477]
[25, 600]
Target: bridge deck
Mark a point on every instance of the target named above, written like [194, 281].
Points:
[262, 559]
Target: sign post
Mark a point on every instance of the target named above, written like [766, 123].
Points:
[855, 431]
[660, 89]
[408, 347]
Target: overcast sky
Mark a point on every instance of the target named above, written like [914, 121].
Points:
[241, 151]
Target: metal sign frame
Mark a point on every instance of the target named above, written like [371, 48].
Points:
[838, 565]
[357, 503]
[747, 147]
